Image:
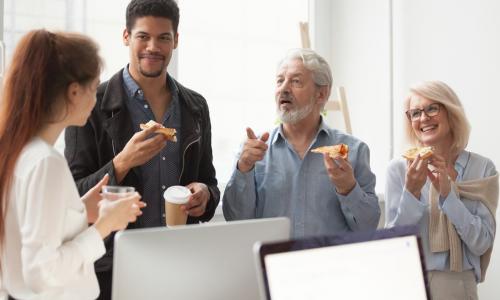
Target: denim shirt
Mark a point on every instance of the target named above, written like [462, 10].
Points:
[282, 184]
[163, 170]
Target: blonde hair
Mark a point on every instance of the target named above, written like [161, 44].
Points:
[441, 93]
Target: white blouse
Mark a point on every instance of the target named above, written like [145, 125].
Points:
[49, 250]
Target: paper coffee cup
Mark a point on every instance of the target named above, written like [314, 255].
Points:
[175, 196]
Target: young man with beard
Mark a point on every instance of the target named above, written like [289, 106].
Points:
[277, 175]
[112, 142]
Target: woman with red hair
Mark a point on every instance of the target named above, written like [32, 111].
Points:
[47, 247]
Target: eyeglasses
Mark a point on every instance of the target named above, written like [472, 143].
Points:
[430, 111]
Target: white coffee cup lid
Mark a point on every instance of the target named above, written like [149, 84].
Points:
[177, 194]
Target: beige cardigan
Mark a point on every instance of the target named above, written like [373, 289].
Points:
[442, 233]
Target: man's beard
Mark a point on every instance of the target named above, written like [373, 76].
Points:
[150, 74]
[293, 116]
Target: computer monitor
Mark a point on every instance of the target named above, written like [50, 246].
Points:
[386, 264]
[205, 261]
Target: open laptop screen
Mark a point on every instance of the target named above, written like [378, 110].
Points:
[339, 268]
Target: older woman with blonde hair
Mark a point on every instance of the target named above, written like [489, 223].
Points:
[451, 196]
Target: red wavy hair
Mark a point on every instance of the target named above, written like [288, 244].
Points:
[44, 64]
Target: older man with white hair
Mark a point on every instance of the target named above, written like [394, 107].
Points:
[277, 175]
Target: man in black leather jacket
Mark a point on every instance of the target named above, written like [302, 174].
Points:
[112, 143]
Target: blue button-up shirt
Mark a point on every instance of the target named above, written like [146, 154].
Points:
[283, 184]
[474, 223]
[163, 170]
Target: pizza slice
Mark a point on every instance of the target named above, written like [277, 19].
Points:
[170, 133]
[411, 154]
[340, 150]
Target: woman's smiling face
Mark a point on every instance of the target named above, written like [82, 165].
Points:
[429, 130]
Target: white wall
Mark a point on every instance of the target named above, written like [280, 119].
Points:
[231, 60]
[454, 41]
[359, 58]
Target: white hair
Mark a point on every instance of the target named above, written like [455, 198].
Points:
[321, 72]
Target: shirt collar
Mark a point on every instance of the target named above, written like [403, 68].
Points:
[323, 127]
[172, 85]
[462, 159]
[281, 136]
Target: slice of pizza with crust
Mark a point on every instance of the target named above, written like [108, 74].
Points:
[340, 150]
[170, 133]
[411, 154]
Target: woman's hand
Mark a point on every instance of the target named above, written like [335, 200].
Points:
[92, 198]
[441, 175]
[116, 214]
[416, 175]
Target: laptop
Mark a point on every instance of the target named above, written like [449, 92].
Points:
[202, 261]
[386, 264]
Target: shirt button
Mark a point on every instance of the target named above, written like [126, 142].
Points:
[163, 157]
[146, 106]
[163, 187]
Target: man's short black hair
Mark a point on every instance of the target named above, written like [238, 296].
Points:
[152, 8]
